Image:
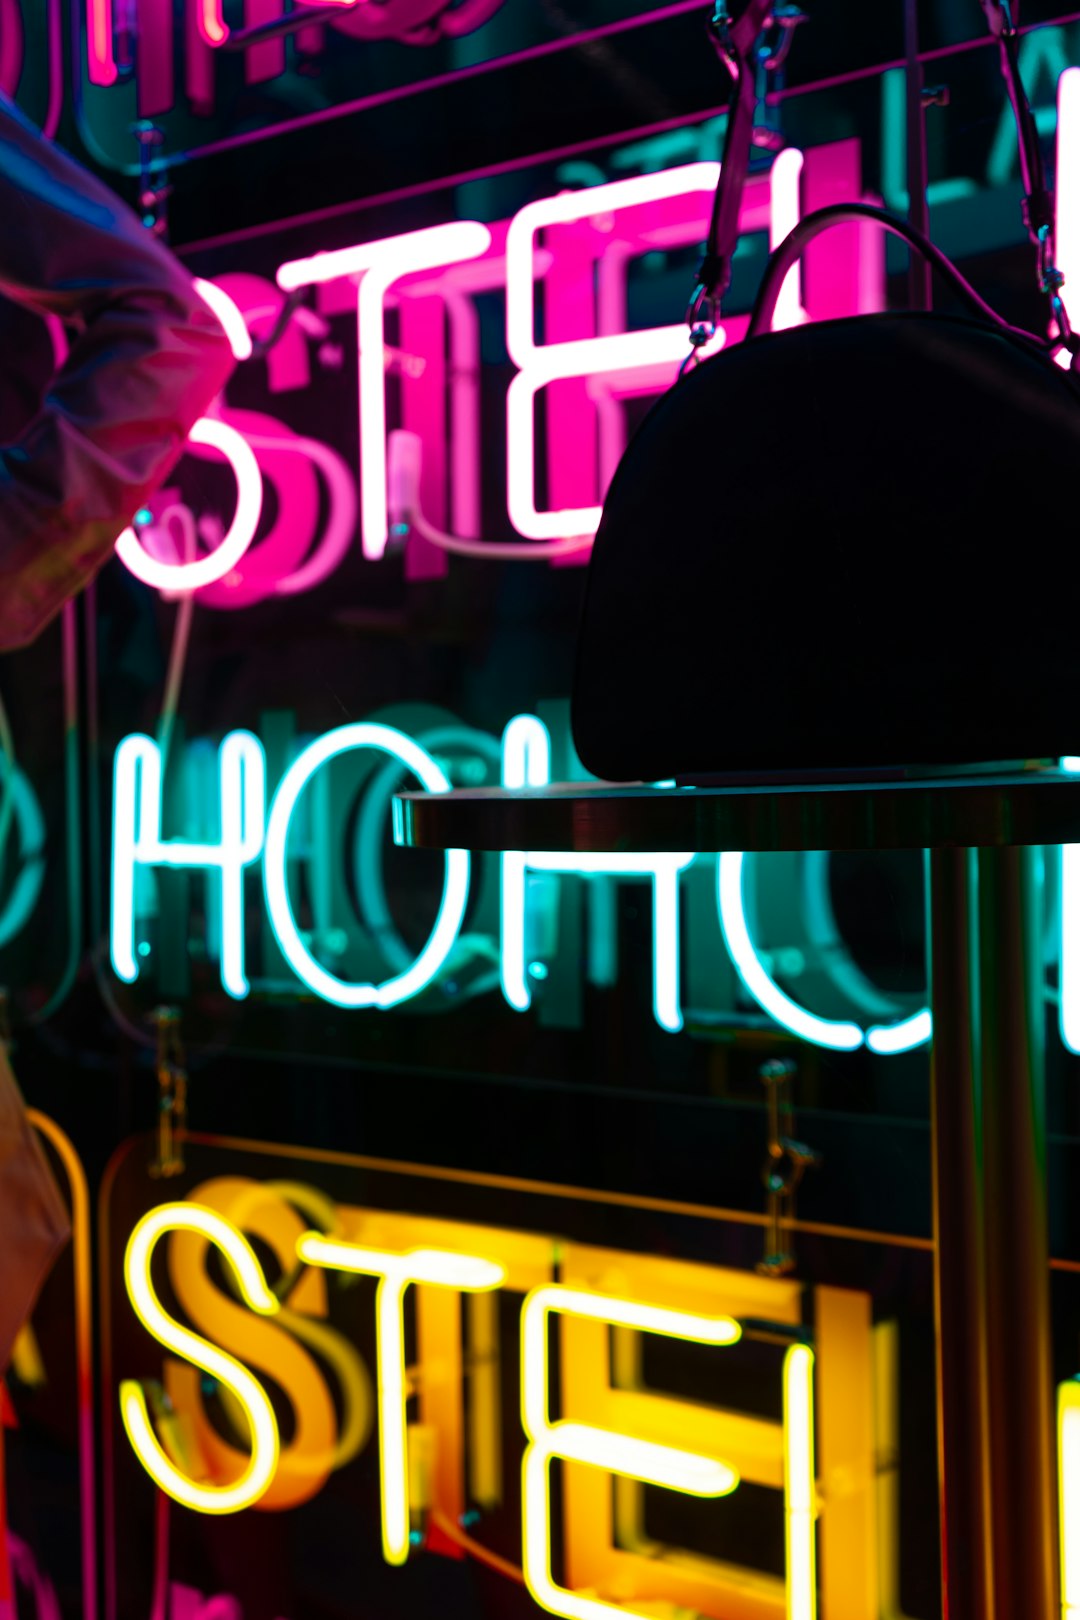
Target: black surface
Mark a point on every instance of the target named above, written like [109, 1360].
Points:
[1032, 807]
[841, 525]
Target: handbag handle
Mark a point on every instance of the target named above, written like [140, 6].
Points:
[735, 43]
[792, 248]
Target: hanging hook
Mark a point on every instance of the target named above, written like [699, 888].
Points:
[154, 188]
[172, 1093]
[786, 1162]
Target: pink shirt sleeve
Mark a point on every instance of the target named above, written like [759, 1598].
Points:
[147, 356]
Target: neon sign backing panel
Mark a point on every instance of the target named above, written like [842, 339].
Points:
[500, 1276]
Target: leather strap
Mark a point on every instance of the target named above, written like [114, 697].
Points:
[735, 43]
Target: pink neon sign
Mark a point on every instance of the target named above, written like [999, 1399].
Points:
[100, 60]
[301, 548]
[577, 247]
[204, 32]
[11, 46]
[563, 262]
[189, 576]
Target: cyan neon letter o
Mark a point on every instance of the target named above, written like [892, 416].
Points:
[455, 885]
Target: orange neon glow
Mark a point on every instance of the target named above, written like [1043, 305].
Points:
[84, 1344]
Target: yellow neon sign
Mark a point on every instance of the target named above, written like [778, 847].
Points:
[621, 1454]
[292, 1347]
[799, 1489]
[1069, 1495]
[246, 1389]
[441, 1268]
[612, 1435]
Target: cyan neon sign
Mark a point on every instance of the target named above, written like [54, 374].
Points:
[29, 826]
[247, 830]
[527, 763]
[251, 830]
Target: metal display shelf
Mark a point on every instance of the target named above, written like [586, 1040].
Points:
[972, 812]
[995, 1388]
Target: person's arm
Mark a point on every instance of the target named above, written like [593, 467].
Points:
[147, 358]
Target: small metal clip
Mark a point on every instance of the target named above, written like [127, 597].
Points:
[701, 314]
[172, 1094]
[154, 189]
[785, 1165]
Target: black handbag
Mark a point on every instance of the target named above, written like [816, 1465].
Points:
[843, 546]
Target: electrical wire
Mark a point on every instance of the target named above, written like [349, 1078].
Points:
[404, 462]
[476, 1549]
[174, 679]
[181, 637]
[498, 551]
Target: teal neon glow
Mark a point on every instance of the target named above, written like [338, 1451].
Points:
[374, 813]
[901, 1036]
[836, 1034]
[527, 763]
[455, 893]
[137, 842]
[1069, 1009]
[1069, 981]
[30, 823]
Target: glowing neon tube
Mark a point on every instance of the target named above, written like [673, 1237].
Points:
[835, 1034]
[800, 1494]
[436, 1267]
[455, 893]
[256, 1478]
[184, 577]
[101, 63]
[689, 1472]
[1068, 1427]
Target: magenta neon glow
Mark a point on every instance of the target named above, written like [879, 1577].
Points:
[299, 552]
[648, 359]
[785, 213]
[100, 61]
[228, 313]
[213, 29]
[381, 265]
[185, 577]
[587, 363]
[12, 46]
[1067, 187]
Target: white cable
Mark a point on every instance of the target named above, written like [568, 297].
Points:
[404, 452]
[181, 638]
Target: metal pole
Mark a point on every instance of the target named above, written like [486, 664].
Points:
[920, 276]
[959, 1218]
[1020, 1385]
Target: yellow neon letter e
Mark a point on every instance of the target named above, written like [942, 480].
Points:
[653, 1464]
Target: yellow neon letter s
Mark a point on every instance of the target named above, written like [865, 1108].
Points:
[247, 1390]
[293, 1348]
